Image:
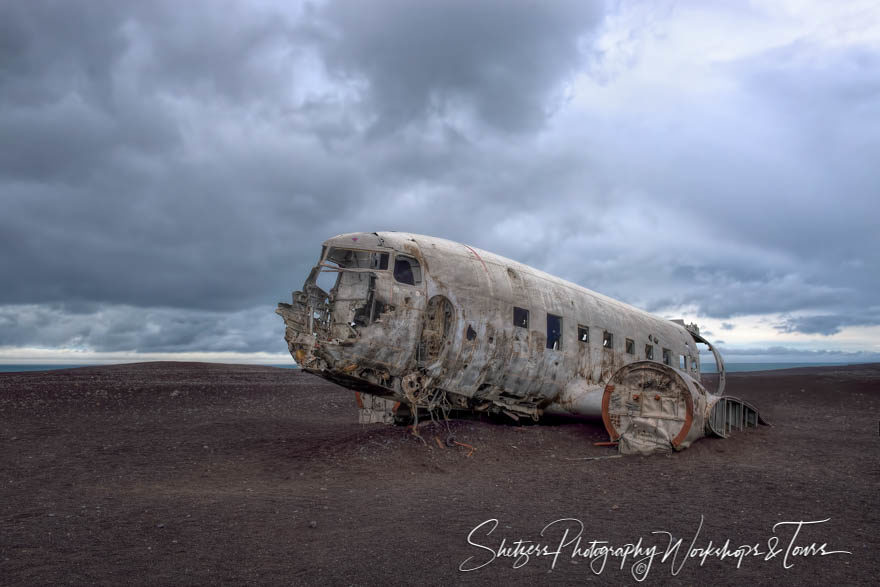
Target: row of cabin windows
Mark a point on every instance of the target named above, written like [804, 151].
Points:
[554, 338]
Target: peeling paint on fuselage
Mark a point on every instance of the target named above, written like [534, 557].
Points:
[396, 350]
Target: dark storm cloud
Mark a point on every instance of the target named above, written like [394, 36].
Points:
[193, 156]
[775, 189]
[129, 328]
[503, 59]
[168, 170]
[127, 173]
[828, 324]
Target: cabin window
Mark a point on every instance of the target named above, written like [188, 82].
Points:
[607, 340]
[667, 357]
[694, 365]
[583, 334]
[630, 346]
[649, 352]
[554, 332]
[520, 317]
[682, 363]
[407, 270]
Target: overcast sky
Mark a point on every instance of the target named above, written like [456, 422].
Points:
[168, 170]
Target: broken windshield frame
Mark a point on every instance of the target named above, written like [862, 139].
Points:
[342, 259]
[336, 260]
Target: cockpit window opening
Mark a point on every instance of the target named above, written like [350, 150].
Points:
[607, 340]
[379, 261]
[667, 357]
[520, 317]
[407, 270]
[682, 363]
[554, 332]
[630, 346]
[356, 259]
[328, 276]
[649, 352]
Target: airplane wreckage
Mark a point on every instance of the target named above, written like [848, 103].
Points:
[415, 323]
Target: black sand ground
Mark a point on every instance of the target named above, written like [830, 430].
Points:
[187, 473]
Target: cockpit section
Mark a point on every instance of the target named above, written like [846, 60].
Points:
[352, 313]
[341, 291]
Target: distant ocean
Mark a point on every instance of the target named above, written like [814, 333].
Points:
[708, 366]
[18, 368]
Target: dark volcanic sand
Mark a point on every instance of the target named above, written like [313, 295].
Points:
[193, 473]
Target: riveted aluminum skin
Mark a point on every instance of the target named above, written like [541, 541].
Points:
[431, 322]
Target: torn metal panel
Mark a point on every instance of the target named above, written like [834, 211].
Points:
[651, 407]
[730, 413]
[436, 324]
[375, 410]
